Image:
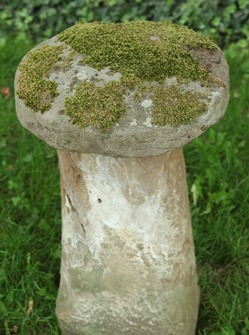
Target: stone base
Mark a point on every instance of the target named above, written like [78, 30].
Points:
[128, 263]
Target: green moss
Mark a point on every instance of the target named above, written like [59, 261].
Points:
[33, 87]
[143, 52]
[101, 107]
[171, 106]
[146, 50]
[93, 106]
[68, 61]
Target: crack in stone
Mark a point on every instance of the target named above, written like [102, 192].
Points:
[75, 211]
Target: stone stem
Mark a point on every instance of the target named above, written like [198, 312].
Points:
[128, 263]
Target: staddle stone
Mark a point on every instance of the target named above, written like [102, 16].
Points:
[118, 102]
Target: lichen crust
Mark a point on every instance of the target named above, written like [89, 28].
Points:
[144, 54]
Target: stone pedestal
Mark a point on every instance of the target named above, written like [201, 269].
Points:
[128, 262]
[118, 102]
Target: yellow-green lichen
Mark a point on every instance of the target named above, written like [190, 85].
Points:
[33, 86]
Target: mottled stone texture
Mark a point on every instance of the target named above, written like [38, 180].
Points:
[128, 263]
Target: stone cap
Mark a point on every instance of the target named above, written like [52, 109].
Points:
[125, 90]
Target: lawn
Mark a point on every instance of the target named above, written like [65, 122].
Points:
[30, 221]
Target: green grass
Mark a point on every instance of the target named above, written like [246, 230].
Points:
[30, 223]
[218, 180]
[29, 217]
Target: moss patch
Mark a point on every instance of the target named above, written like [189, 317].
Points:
[142, 52]
[68, 61]
[33, 87]
[146, 50]
[93, 106]
[171, 106]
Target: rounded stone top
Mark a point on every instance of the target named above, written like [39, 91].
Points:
[127, 89]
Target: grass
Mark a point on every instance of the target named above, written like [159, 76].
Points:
[29, 217]
[217, 169]
[30, 223]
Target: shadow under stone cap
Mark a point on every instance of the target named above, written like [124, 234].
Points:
[76, 103]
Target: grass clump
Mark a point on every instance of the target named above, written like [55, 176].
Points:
[33, 87]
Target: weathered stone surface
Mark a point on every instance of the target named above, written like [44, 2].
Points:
[128, 263]
[134, 135]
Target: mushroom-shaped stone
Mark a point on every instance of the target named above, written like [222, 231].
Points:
[118, 102]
